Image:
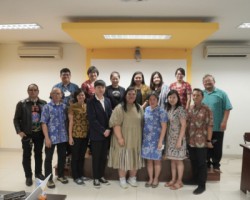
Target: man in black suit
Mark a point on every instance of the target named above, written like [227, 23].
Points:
[99, 111]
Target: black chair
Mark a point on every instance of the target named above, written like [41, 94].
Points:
[246, 137]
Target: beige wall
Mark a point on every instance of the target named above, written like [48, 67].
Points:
[16, 74]
[231, 74]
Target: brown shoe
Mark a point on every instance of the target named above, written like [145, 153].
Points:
[176, 186]
[170, 183]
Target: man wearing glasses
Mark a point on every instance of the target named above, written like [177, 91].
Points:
[28, 127]
[66, 86]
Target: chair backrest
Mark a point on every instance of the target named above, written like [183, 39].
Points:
[247, 137]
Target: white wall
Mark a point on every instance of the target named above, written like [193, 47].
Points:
[232, 75]
[16, 74]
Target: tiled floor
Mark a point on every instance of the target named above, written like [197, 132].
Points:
[12, 178]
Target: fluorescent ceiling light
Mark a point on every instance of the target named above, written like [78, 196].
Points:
[137, 37]
[244, 25]
[19, 26]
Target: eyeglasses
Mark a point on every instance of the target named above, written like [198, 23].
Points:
[32, 90]
[65, 74]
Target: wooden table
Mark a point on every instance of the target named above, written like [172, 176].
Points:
[245, 173]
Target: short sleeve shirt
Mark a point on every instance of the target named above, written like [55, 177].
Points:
[198, 120]
[88, 89]
[68, 91]
[80, 122]
[184, 90]
[54, 116]
[218, 102]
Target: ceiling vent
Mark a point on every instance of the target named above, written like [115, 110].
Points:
[54, 52]
[226, 51]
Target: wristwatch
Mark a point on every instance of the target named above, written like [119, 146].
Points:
[208, 140]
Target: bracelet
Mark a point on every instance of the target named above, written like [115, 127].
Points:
[208, 140]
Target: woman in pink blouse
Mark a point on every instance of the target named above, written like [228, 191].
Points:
[183, 88]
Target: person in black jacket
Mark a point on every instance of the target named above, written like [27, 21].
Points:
[115, 92]
[28, 127]
[99, 111]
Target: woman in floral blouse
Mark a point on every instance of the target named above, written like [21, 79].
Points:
[155, 125]
[183, 88]
[78, 128]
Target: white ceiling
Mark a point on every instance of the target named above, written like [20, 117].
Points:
[50, 14]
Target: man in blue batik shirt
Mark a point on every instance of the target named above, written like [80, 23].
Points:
[53, 119]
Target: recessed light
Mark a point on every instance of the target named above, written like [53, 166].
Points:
[19, 26]
[244, 25]
[137, 37]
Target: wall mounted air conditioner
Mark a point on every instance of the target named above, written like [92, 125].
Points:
[54, 52]
[226, 51]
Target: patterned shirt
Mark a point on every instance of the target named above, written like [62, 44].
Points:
[36, 116]
[80, 122]
[152, 131]
[54, 116]
[88, 89]
[198, 121]
[184, 90]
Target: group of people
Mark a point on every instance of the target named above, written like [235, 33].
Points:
[131, 128]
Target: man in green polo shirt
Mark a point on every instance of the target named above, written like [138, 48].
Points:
[218, 101]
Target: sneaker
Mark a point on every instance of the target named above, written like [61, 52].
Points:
[40, 176]
[104, 181]
[132, 181]
[63, 179]
[51, 184]
[199, 190]
[123, 183]
[85, 178]
[29, 181]
[96, 183]
[79, 181]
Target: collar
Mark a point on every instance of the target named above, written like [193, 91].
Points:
[214, 90]
[29, 100]
[198, 107]
[53, 103]
[102, 99]
[62, 85]
[152, 109]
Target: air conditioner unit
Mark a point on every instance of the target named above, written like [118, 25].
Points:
[40, 52]
[226, 51]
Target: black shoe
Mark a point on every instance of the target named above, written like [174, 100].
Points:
[40, 176]
[29, 181]
[96, 183]
[104, 181]
[199, 190]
